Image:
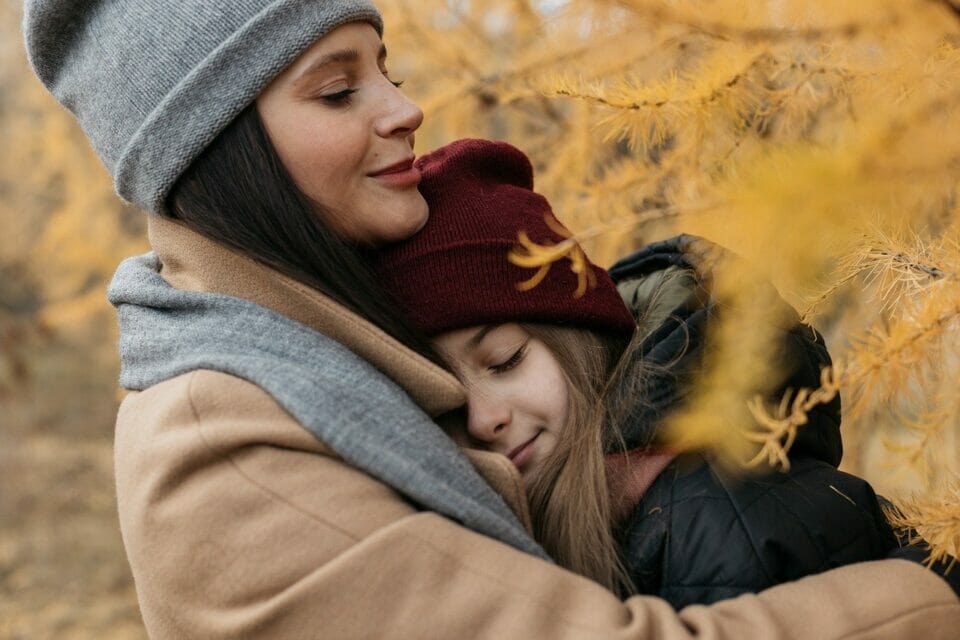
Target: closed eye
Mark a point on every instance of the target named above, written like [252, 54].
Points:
[340, 97]
[510, 362]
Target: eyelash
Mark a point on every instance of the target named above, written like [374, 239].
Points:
[340, 97]
[343, 97]
[510, 362]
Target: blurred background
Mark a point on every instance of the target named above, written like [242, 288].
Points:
[817, 138]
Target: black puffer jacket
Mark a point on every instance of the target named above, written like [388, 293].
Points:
[698, 536]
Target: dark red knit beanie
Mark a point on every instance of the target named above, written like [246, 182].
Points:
[455, 273]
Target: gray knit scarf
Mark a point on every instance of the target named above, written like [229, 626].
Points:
[340, 398]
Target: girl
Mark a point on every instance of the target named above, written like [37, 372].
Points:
[278, 472]
[562, 381]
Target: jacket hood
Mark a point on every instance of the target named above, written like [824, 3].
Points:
[667, 285]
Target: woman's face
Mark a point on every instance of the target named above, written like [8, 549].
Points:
[345, 132]
[516, 392]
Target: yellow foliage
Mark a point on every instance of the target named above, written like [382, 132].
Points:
[64, 229]
[934, 517]
[778, 431]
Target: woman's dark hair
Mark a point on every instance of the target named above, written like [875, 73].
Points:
[238, 193]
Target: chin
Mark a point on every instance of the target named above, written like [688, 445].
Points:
[422, 222]
[403, 228]
[417, 215]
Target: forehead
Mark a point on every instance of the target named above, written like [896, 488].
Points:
[455, 343]
[464, 343]
[348, 42]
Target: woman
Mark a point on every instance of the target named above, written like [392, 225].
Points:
[278, 473]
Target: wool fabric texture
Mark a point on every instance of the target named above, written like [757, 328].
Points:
[455, 273]
[152, 82]
[340, 398]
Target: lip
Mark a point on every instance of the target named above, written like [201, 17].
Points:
[521, 455]
[399, 174]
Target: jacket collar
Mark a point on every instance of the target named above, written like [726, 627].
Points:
[196, 263]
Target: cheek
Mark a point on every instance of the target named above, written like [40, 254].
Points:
[559, 399]
[320, 165]
[563, 404]
[319, 150]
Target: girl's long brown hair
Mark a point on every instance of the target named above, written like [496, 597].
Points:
[569, 496]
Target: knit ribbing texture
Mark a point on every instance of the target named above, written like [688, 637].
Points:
[342, 399]
[455, 273]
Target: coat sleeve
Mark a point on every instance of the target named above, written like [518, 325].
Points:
[238, 524]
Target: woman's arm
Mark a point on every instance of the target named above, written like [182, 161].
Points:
[238, 523]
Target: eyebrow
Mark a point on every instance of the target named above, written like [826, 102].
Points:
[342, 56]
[478, 337]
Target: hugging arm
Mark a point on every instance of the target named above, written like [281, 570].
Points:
[205, 495]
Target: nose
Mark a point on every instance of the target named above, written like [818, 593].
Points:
[401, 116]
[487, 418]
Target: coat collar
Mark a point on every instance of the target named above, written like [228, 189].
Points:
[196, 263]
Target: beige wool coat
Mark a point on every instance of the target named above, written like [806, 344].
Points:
[238, 523]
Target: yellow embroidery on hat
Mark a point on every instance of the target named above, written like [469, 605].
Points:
[531, 255]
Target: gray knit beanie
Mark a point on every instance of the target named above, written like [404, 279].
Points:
[153, 82]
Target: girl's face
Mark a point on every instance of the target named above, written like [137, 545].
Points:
[345, 132]
[516, 392]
